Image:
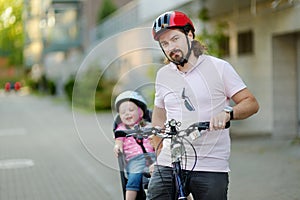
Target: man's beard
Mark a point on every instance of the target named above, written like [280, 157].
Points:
[176, 55]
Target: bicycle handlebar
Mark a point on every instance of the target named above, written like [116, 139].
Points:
[144, 132]
[137, 131]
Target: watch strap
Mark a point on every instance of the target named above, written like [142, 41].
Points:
[231, 115]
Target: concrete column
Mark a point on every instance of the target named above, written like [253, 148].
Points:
[298, 78]
[285, 93]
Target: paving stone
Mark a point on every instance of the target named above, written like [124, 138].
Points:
[72, 156]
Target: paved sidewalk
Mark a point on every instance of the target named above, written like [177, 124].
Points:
[264, 169]
[49, 153]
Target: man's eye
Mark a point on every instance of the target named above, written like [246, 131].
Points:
[175, 39]
[164, 44]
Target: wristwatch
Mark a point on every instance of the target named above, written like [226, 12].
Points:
[229, 109]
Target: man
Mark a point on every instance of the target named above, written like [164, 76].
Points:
[195, 87]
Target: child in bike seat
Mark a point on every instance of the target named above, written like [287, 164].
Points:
[138, 152]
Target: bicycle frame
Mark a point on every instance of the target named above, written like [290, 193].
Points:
[177, 150]
[178, 181]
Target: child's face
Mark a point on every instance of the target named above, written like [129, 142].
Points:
[129, 113]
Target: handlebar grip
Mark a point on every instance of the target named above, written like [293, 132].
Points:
[119, 133]
[135, 133]
[205, 125]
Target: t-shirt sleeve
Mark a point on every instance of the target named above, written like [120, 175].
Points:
[233, 82]
[159, 92]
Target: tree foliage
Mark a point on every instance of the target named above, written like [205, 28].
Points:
[11, 31]
[216, 41]
[107, 7]
[89, 92]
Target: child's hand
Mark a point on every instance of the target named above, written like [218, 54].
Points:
[151, 169]
[117, 149]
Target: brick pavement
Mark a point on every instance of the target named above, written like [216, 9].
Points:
[43, 131]
[72, 156]
[265, 168]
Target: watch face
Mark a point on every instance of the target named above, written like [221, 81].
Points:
[228, 109]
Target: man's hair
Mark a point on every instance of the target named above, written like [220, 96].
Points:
[198, 48]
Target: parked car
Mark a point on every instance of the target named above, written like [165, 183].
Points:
[12, 86]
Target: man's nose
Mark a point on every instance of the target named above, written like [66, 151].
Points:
[170, 47]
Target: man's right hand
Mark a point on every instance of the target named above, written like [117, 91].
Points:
[155, 141]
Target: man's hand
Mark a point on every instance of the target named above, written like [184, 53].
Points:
[219, 121]
[156, 143]
[151, 169]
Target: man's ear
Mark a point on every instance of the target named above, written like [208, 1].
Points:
[190, 34]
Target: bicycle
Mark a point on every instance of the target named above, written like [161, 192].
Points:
[177, 137]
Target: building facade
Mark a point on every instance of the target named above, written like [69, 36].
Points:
[264, 48]
[271, 67]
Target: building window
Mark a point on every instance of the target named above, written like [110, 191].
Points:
[245, 42]
[224, 45]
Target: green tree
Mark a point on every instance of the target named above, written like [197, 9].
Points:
[216, 41]
[92, 90]
[107, 7]
[11, 31]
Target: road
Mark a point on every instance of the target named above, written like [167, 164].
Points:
[49, 151]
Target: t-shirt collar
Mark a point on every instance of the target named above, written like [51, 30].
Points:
[200, 59]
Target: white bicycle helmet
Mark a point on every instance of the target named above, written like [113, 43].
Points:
[133, 96]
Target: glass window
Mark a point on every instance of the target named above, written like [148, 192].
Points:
[245, 42]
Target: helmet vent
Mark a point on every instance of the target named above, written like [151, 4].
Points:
[166, 19]
[159, 22]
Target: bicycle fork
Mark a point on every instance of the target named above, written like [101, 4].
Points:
[179, 185]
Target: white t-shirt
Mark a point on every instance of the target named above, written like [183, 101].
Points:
[207, 89]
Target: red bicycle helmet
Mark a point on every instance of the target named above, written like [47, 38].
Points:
[169, 20]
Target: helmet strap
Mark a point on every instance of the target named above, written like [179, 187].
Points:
[140, 113]
[185, 60]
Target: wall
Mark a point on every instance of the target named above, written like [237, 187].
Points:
[298, 72]
[285, 86]
[257, 69]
